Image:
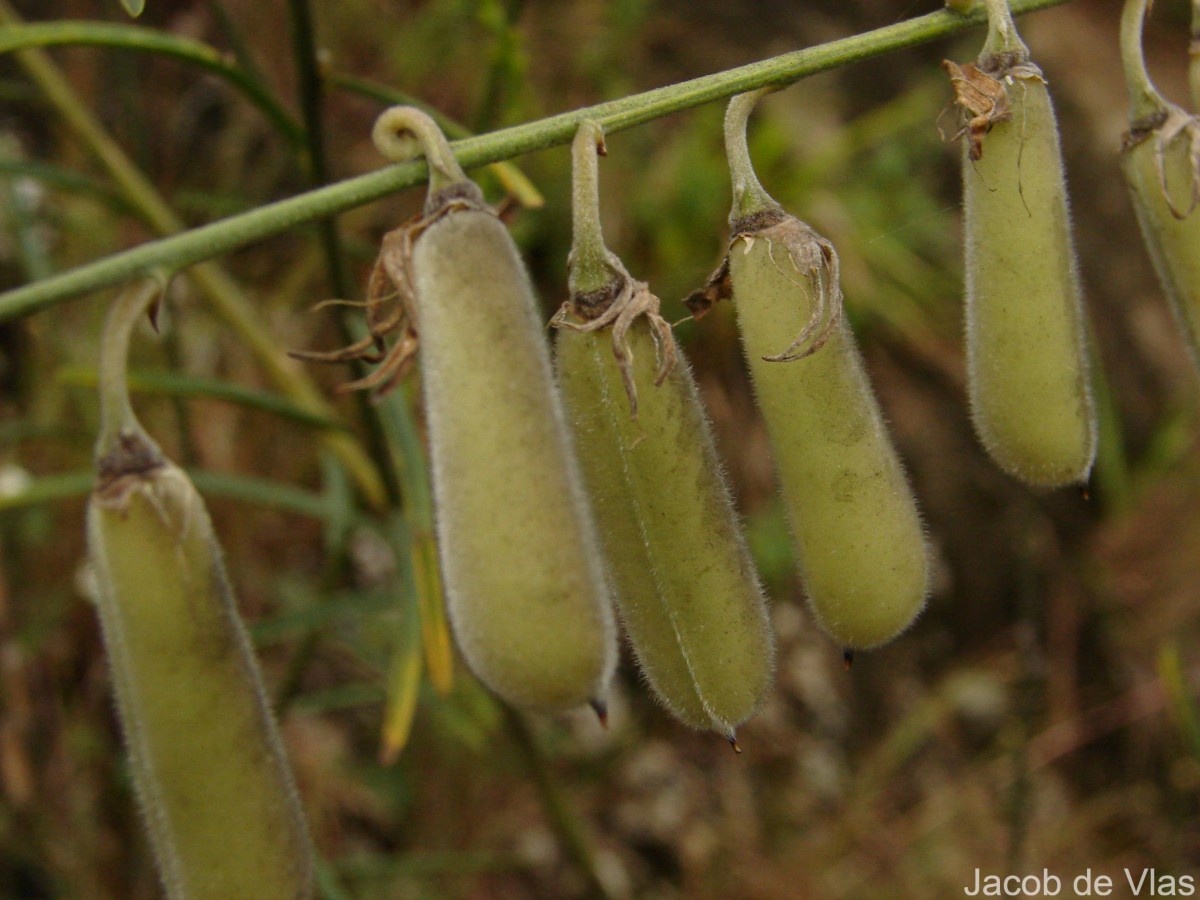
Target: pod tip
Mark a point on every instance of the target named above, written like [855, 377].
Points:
[600, 708]
[732, 738]
[848, 658]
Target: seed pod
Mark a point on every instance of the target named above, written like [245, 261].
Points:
[209, 770]
[1160, 159]
[858, 535]
[1027, 367]
[525, 585]
[683, 578]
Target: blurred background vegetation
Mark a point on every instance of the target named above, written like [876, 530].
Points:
[1040, 714]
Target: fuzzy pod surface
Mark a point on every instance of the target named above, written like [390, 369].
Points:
[215, 790]
[525, 587]
[859, 538]
[1160, 159]
[685, 585]
[1027, 365]
[1161, 175]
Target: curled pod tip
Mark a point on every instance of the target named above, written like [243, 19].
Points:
[525, 587]
[859, 539]
[684, 582]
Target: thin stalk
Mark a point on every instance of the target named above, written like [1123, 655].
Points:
[510, 177]
[1144, 98]
[118, 422]
[566, 824]
[237, 231]
[749, 196]
[225, 297]
[1194, 57]
[590, 266]
[1002, 37]
[88, 33]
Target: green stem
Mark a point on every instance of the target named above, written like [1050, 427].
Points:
[1002, 37]
[512, 179]
[749, 196]
[225, 297]
[86, 33]
[237, 231]
[566, 824]
[117, 419]
[1144, 98]
[590, 266]
[403, 131]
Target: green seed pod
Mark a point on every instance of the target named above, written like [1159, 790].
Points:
[524, 580]
[683, 578]
[1160, 159]
[1027, 364]
[209, 770]
[858, 534]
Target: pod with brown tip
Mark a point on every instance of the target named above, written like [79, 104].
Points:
[206, 761]
[859, 539]
[1027, 362]
[525, 587]
[682, 576]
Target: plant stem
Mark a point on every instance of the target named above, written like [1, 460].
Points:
[237, 231]
[567, 825]
[117, 419]
[1002, 34]
[18, 35]
[749, 196]
[590, 269]
[225, 297]
[1144, 98]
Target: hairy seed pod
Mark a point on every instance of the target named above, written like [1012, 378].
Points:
[207, 764]
[683, 578]
[1160, 159]
[859, 539]
[1027, 363]
[525, 585]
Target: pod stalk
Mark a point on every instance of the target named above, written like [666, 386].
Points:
[403, 132]
[123, 445]
[592, 267]
[1145, 102]
[750, 198]
[1003, 47]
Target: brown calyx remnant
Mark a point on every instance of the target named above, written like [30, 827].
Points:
[1164, 127]
[391, 301]
[811, 256]
[134, 454]
[984, 101]
[619, 304]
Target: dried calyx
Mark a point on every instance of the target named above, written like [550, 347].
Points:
[799, 253]
[603, 293]
[401, 133]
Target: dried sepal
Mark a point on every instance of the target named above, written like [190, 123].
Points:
[1164, 128]
[814, 259]
[618, 305]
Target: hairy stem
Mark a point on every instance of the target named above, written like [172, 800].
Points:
[1144, 98]
[749, 196]
[590, 268]
[224, 296]
[237, 231]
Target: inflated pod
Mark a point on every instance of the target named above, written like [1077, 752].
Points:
[859, 539]
[1027, 361]
[525, 585]
[683, 578]
[206, 762]
[1160, 159]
